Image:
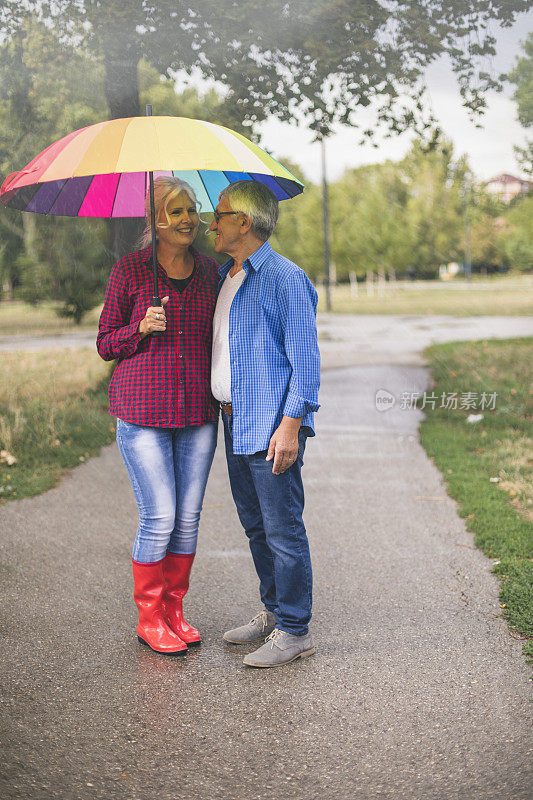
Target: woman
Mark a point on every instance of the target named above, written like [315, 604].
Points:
[160, 394]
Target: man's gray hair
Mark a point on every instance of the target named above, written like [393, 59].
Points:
[258, 203]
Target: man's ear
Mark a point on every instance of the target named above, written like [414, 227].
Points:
[245, 223]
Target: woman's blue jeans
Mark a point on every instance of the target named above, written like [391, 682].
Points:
[168, 470]
[270, 510]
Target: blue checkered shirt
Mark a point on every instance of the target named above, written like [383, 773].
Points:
[274, 356]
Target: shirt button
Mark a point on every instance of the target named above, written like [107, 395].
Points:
[180, 356]
[180, 331]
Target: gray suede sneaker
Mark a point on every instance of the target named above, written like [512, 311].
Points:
[280, 648]
[258, 628]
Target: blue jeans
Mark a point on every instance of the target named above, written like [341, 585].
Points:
[270, 510]
[168, 470]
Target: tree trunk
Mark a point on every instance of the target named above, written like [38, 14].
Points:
[122, 94]
[124, 235]
[121, 79]
[29, 226]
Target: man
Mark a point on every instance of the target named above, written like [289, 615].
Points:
[266, 374]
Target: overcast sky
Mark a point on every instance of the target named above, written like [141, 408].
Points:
[490, 149]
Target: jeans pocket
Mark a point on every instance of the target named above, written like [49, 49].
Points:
[126, 426]
[125, 429]
[302, 439]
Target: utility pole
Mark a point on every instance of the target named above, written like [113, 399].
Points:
[468, 255]
[327, 279]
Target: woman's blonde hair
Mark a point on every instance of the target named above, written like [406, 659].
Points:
[166, 188]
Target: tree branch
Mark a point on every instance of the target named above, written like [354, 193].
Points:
[11, 226]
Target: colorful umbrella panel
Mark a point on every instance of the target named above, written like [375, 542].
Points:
[102, 170]
[123, 194]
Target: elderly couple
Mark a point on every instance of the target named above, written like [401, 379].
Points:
[241, 339]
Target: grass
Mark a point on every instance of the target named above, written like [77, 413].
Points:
[502, 296]
[488, 465]
[53, 415]
[17, 317]
[498, 296]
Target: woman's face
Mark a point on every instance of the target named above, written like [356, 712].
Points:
[182, 224]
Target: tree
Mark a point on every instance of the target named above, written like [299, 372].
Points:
[396, 215]
[53, 258]
[488, 232]
[279, 57]
[321, 62]
[324, 61]
[368, 221]
[38, 106]
[298, 234]
[435, 208]
[522, 77]
[73, 269]
[517, 238]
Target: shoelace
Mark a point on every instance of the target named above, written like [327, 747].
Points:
[276, 633]
[261, 616]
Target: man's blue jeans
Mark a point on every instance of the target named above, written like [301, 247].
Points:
[270, 509]
[168, 470]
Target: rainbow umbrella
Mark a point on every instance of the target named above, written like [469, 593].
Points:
[102, 170]
[105, 170]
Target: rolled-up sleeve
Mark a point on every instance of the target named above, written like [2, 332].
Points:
[298, 302]
[118, 336]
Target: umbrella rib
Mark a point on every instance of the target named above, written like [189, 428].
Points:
[119, 154]
[56, 198]
[205, 187]
[84, 196]
[23, 195]
[116, 192]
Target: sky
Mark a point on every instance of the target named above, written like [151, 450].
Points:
[490, 149]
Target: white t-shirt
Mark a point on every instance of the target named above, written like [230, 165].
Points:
[220, 367]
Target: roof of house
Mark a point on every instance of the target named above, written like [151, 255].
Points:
[506, 178]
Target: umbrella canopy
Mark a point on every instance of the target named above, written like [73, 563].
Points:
[102, 170]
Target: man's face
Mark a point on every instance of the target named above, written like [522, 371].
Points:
[227, 229]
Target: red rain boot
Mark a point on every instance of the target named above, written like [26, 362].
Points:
[152, 628]
[176, 569]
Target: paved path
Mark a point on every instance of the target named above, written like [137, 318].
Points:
[417, 690]
[29, 342]
[347, 339]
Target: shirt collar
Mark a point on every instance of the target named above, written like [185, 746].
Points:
[146, 258]
[256, 260]
[259, 256]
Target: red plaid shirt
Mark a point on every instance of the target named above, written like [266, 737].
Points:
[161, 381]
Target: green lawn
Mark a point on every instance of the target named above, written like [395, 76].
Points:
[488, 465]
[17, 317]
[53, 415]
[499, 296]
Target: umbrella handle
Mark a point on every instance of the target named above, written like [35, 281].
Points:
[156, 301]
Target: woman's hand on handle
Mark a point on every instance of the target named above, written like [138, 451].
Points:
[154, 319]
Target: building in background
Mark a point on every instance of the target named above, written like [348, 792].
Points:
[506, 186]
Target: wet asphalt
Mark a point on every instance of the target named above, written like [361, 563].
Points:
[417, 689]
